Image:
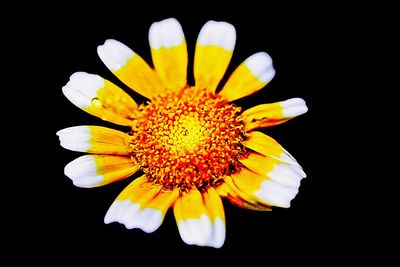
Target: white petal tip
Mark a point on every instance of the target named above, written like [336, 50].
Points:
[220, 34]
[196, 231]
[85, 80]
[301, 171]
[260, 64]
[132, 216]
[114, 54]
[73, 129]
[294, 107]
[287, 158]
[287, 175]
[107, 221]
[113, 211]
[148, 220]
[218, 236]
[166, 33]
[75, 138]
[275, 194]
[82, 88]
[88, 183]
[82, 172]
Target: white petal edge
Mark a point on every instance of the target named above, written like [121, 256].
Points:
[221, 34]
[275, 194]
[82, 172]
[114, 54]
[82, 88]
[196, 231]
[287, 158]
[117, 210]
[148, 220]
[294, 107]
[260, 64]
[286, 175]
[75, 138]
[218, 234]
[166, 33]
[132, 216]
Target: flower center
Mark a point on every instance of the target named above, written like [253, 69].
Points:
[187, 139]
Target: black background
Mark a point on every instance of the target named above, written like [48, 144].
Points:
[300, 43]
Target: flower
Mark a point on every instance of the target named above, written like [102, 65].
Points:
[193, 145]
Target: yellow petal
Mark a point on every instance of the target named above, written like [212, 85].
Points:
[100, 98]
[213, 204]
[267, 146]
[94, 139]
[258, 163]
[252, 75]
[189, 206]
[169, 53]
[130, 68]
[148, 195]
[163, 200]
[263, 144]
[213, 53]
[267, 115]
[140, 192]
[248, 181]
[98, 170]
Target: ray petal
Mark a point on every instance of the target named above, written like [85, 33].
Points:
[213, 53]
[252, 75]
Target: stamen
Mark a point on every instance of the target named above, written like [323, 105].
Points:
[190, 139]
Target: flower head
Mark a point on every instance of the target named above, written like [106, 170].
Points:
[192, 143]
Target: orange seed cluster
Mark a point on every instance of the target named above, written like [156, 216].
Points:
[188, 139]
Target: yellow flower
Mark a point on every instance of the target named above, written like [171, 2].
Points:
[192, 144]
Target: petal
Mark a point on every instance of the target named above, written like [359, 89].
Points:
[252, 75]
[213, 53]
[276, 194]
[94, 139]
[267, 146]
[169, 53]
[264, 189]
[273, 183]
[100, 98]
[268, 167]
[141, 205]
[97, 170]
[215, 210]
[229, 190]
[194, 223]
[130, 68]
[267, 115]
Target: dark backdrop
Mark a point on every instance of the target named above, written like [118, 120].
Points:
[299, 42]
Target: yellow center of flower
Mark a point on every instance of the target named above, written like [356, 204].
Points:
[188, 139]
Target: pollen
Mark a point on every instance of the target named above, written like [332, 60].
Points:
[188, 139]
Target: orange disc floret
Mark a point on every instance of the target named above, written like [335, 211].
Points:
[188, 139]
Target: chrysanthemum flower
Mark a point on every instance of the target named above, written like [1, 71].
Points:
[192, 143]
